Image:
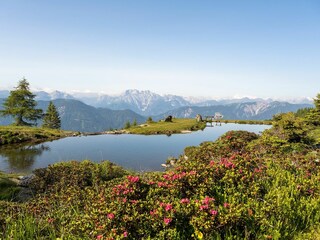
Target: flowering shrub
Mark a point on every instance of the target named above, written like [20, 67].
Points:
[238, 187]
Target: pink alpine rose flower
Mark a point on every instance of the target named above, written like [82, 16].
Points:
[167, 221]
[184, 200]
[214, 212]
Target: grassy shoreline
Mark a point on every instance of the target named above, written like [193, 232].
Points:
[17, 134]
[178, 125]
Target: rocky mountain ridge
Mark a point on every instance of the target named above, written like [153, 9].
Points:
[148, 103]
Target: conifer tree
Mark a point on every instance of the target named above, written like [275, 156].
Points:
[127, 125]
[149, 120]
[21, 105]
[135, 122]
[51, 118]
[314, 115]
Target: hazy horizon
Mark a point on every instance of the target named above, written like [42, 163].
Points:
[187, 97]
[208, 49]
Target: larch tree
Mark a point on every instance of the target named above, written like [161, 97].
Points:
[51, 118]
[21, 105]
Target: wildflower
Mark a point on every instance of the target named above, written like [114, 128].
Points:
[153, 212]
[99, 237]
[214, 212]
[133, 179]
[162, 184]
[226, 205]
[199, 234]
[184, 200]
[207, 200]
[110, 216]
[257, 170]
[167, 220]
[166, 176]
[168, 207]
[202, 207]
[125, 234]
[212, 163]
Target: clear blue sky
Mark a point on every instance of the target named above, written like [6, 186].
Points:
[208, 48]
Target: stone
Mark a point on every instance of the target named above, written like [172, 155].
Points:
[168, 119]
[199, 118]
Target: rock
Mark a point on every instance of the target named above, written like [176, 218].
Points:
[25, 180]
[168, 119]
[199, 118]
[24, 194]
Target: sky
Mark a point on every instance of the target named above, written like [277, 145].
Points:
[195, 48]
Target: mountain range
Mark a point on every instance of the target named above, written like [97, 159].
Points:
[147, 103]
[77, 116]
[91, 112]
[239, 111]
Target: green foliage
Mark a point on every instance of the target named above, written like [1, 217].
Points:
[134, 123]
[219, 190]
[51, 118]
[303, 112]
[314, 115]
[242, 186]
[149, 120]
[127, 125]
[21, 105]
[290, 128]
[8, 188]
[74, 174]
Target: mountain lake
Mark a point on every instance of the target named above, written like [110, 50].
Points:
[136, 152]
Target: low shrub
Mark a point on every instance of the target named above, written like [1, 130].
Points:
[238, 187]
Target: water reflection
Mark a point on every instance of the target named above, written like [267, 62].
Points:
[136, 152]
[22, 157]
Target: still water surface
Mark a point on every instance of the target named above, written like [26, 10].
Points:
[136, 152]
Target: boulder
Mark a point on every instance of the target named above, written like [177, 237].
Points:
[199, 118]
[168, 119]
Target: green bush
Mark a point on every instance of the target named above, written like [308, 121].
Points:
[74, 174]
[241, 186]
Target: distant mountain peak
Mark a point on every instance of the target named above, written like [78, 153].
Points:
[148, 103]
